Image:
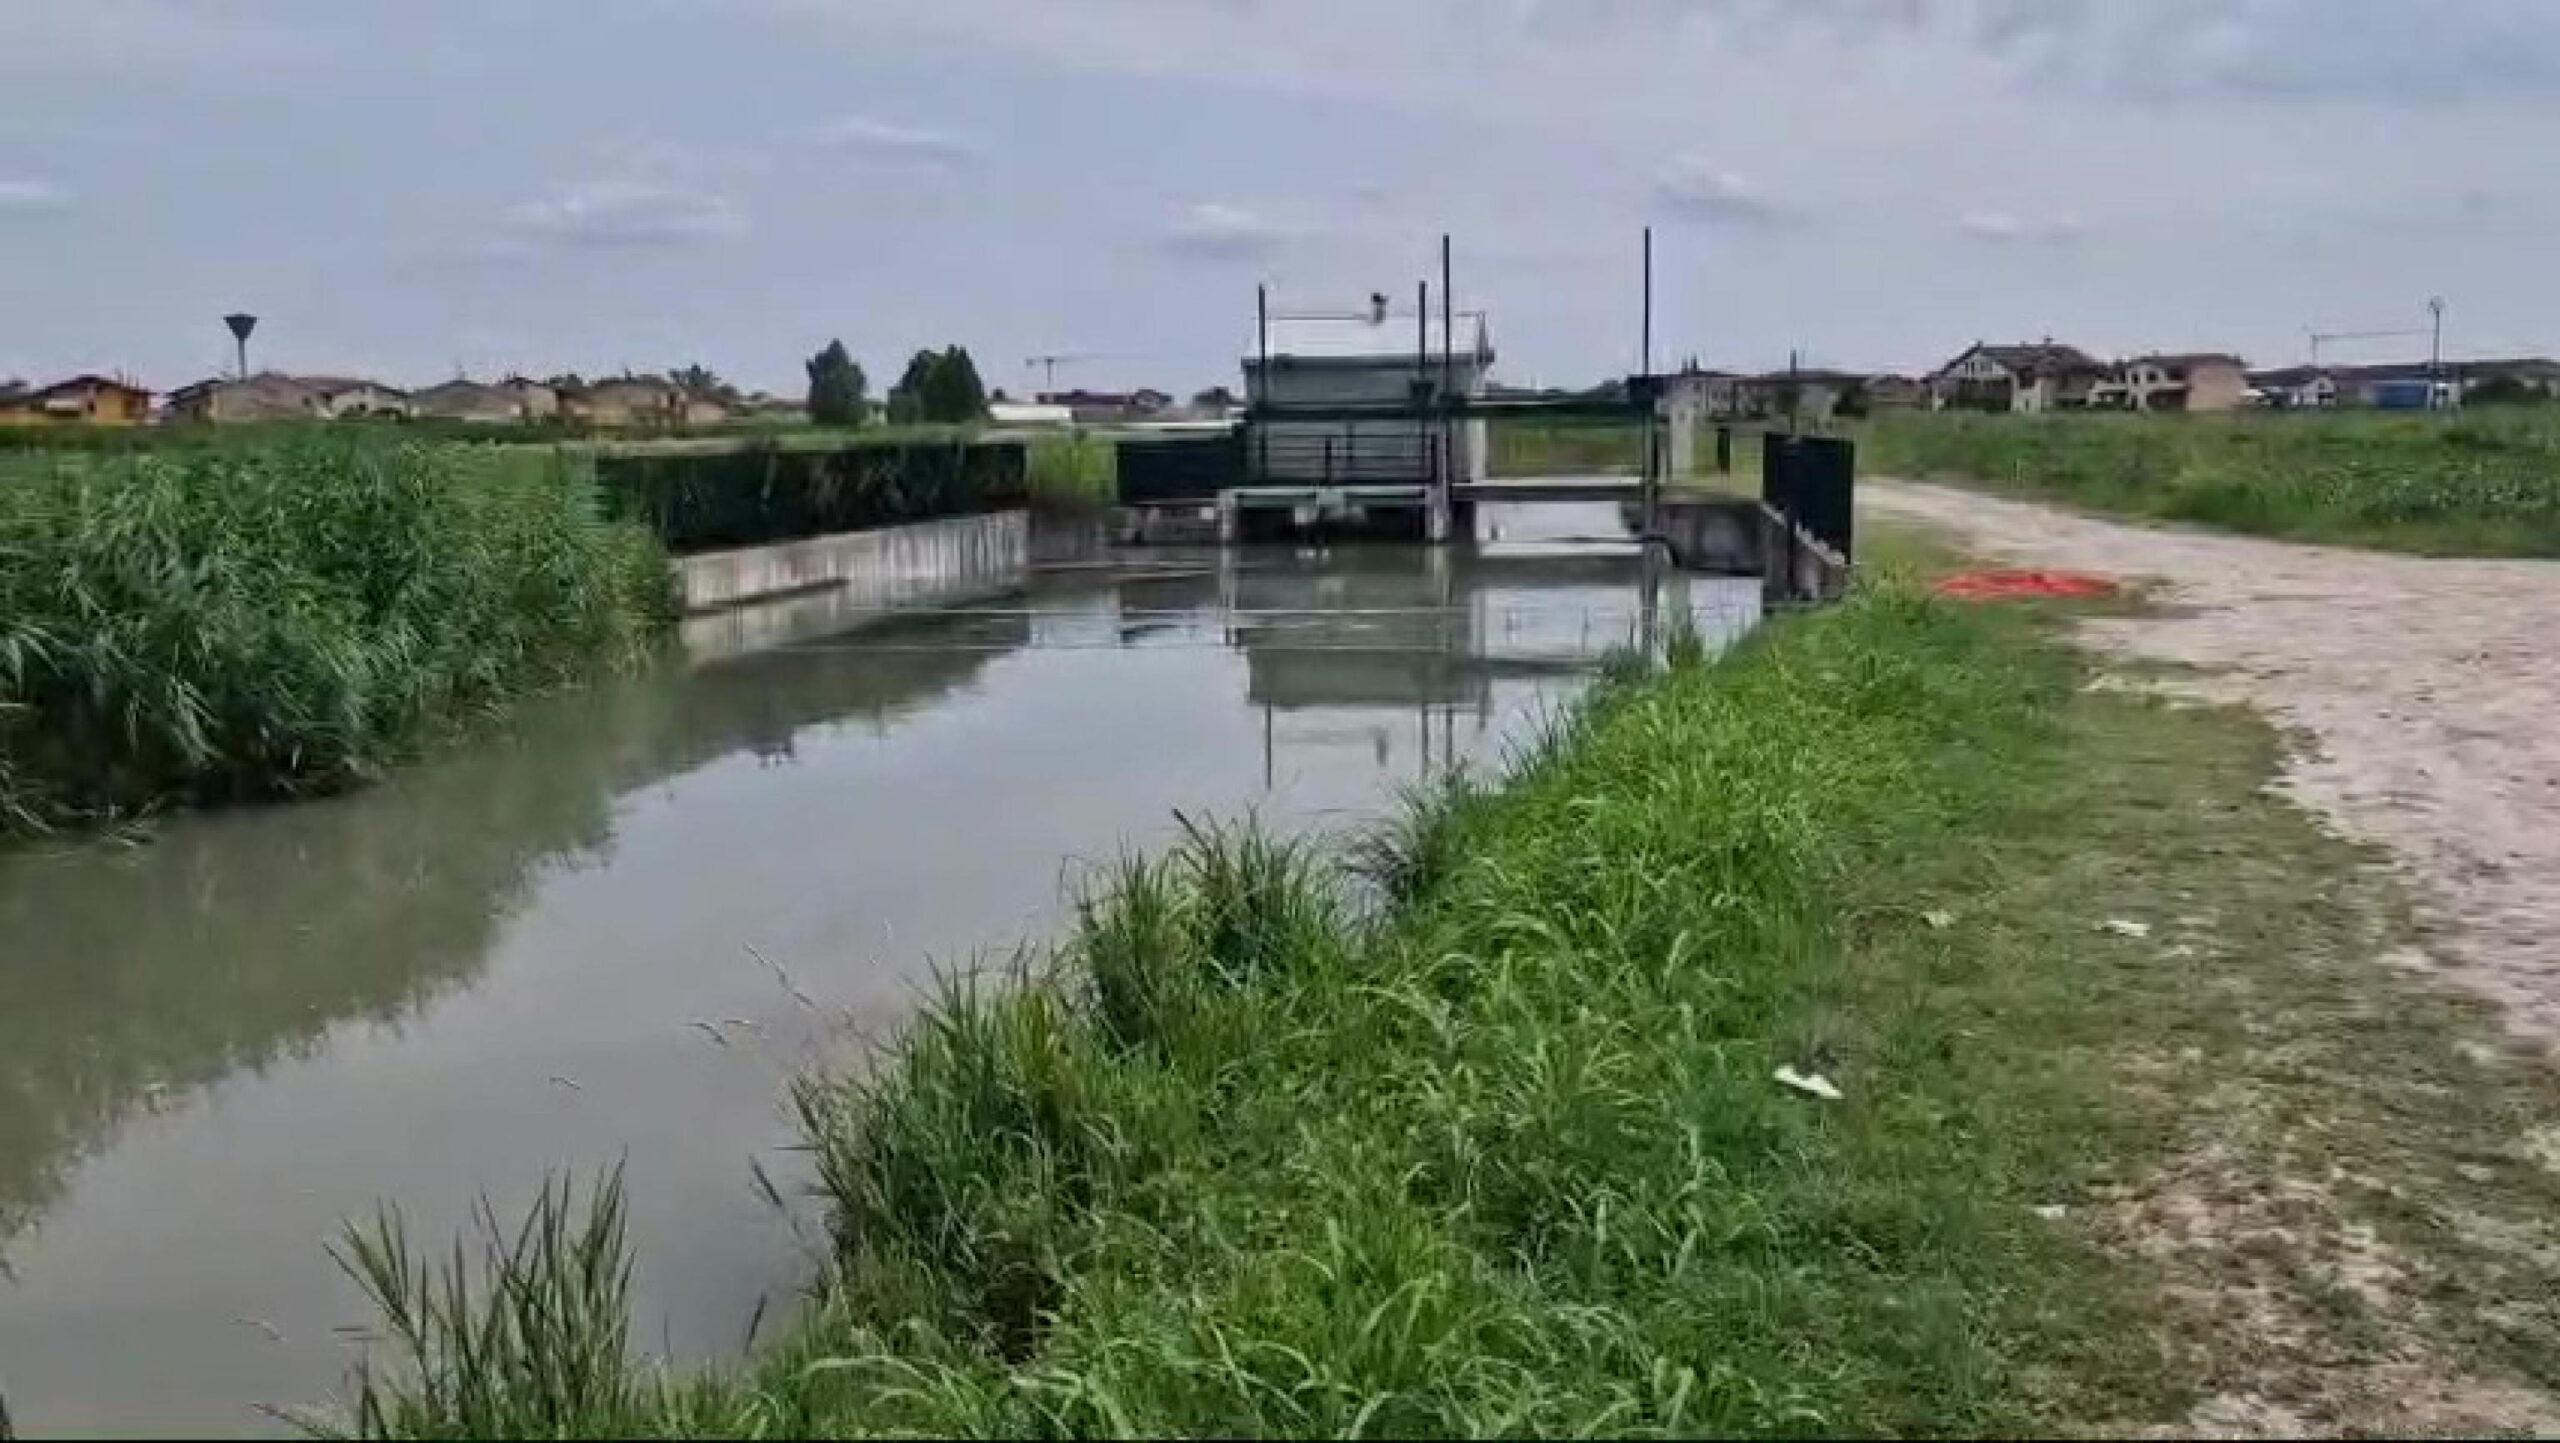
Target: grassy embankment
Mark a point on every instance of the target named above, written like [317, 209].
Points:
[1580, 448]
[1251, 1154]
[1554, 448]
[2486, 482]
[259, 619]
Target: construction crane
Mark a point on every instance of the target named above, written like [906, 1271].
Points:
[2434, 331]
[1048, 366]
[2322, 338]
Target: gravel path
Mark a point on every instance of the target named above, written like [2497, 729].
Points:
[2431, 688]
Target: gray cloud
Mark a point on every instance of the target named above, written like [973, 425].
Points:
[31, 195]
[2391, 51]
[1693, 188]
[2279, 50]
[626, 213]
[2003, 228]
[1218, 230]
[863, 135]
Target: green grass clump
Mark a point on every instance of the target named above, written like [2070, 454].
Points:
[1486, 1139]
[2483, 482]
[516, 1341]
[258, 620]
[1073, 471]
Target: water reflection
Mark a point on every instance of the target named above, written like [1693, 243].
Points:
[227, 941]
[533, 951]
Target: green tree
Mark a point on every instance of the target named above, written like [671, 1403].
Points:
[837, 387]
[939, 386]
[907, 398]
[701, 380]
[956, 392]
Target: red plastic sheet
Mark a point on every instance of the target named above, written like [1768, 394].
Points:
[2010, 585]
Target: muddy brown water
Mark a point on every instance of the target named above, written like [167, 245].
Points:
[567, 943]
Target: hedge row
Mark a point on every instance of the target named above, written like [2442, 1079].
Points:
[705, 501]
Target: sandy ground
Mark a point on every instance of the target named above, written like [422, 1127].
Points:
[2429, 691]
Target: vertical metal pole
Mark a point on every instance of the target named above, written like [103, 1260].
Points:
[1421, 332]
[1650, 488]
[1422, 452]
[2435, 348]
[1448, 325]
[1648, 301]
[1254, 404]
[1438, 523]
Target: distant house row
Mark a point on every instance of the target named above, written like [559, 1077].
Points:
[2045, 376]
[2407, 383]
[1694, 394]
[611, 402]
[2049, 376]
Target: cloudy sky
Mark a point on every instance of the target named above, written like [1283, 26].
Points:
[489, 184]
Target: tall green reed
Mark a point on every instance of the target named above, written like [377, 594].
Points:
[258, 620]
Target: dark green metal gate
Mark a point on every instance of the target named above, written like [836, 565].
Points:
[1161, 469]
[1811, 480]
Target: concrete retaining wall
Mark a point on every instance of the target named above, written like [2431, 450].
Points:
[1739, 536]
[766, 596]
[918, 564]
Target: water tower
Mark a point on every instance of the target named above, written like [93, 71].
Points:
[241, 324]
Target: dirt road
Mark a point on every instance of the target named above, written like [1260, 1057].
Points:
[2429, 690]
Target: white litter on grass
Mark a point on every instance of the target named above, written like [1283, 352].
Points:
[1811, 1084]
[2123, 928]
[2051, 1212]
[1938, 920]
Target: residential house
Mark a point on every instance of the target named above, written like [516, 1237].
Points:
[473, 402]
[2396, 385]
[2199, 381]
[1694, 399]
[618, 401]
[1029, 413]
[266, 396]
[1701, 395]
[352, 397]
[1366, 358]
[1104, 407]
[2517, 378]
[2043, 376]
[2403, 385]
[82, 400]
[2294, 388]
[535, 400]
[1802, 395]
[773, 410]
[640, 401]
[1889, 392]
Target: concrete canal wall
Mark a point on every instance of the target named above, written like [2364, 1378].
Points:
[917, 564]
[1740, 536]
[832, 583]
